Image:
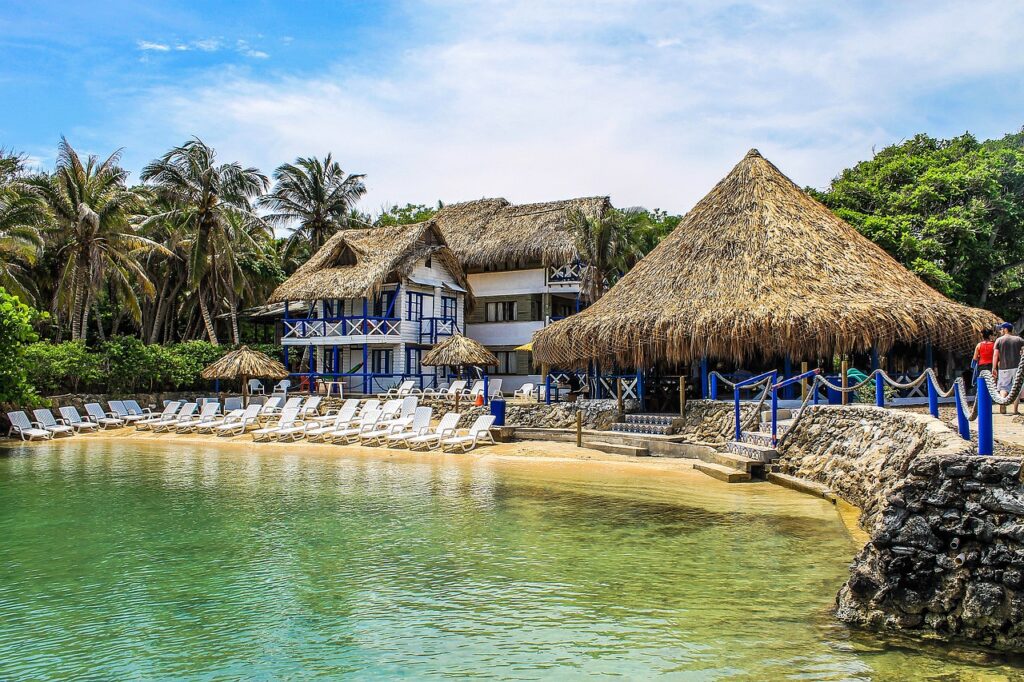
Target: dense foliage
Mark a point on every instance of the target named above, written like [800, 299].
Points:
[16, 334]
[950, 210]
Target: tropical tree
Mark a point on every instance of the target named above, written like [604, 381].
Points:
[406, 215]
[22, 213]
[607, 247]
[212, 205]
[93, 235]
[313, 196]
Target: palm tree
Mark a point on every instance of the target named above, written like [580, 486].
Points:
[21, 215]
[315, 194]
[95, 240]
[605, 245]
[205, 200]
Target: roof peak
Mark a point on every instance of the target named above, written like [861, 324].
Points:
[753, 153]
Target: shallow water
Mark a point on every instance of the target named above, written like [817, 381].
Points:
[141, 561]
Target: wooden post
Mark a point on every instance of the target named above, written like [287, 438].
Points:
[843, 367]
[579, 428]
[618, 398]
[682, 395]
[803, 382]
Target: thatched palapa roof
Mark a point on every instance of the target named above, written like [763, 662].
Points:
[492, 231]
[457, 350]
[759, 268]
[244, 363]
[356, 263]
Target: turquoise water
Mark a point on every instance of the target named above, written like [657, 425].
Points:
[124, 561]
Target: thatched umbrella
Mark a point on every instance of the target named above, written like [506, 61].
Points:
[759, 268]
[245, 363]
[458, 350]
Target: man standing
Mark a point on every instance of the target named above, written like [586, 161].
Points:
[1005, 360]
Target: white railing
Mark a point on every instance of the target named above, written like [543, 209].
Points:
[342, 326]
[571, 272]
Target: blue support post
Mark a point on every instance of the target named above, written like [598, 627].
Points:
[640, 389]
[929, 359]
[336, 362]
[284, 353]
[933, 397]
[736, 403]
[714, 387]
[985, 439]
[962, 425]
[487, 392]
[704, 378]
[814, 391]
[879, 390]
[874, 358]
[547, 388]
[775, 414]
[787, 372]
[366, 364]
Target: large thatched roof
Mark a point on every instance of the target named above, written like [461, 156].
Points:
[355, 263]
[493, 231]
[759, 268]
[459, 350]
[244, 363]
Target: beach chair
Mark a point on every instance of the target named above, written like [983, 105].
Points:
[211, 426]
[432, 438]
[441, 388]
[232, 404]
[399, 391]
[315, 431]
[350, 434]
[106, 420]
[239, 424]
[479, 432]
[526, 391]
[122, 412]
[170, 409]
[471, 394]
[291, 404]
[289, 417]
[73, 419]
[44, 418]
[208, 413]
[134, 408]
[329, 418]
[455, 389]
[282, 387]
[419, 426]
[256, 387]
[384, 428]
[311, 408]
[172, 422]
[405, 410]
[269, 409]
[494, 387]
[21, 425]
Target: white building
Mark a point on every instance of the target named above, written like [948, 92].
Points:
[523, 268]
[374, 301]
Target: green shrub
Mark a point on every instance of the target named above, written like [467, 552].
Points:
[69, 367]
[187, 361]
[15, 334]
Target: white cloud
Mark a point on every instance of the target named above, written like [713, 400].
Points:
[207, 44]
[156, 47]
[243, 48]
[536, 101]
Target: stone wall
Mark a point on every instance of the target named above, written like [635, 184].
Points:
[714, 421]
[946, 552]
[155, 400]
[597, 414]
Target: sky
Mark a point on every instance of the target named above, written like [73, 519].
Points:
[650, 103]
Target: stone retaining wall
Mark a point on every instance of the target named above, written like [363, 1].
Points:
[714, 421]
[946, 552]
[598, 415]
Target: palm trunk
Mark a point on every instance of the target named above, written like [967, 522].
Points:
[236, 337]
[86, 308]
[99, 322]
[77, 298]
[211, 330]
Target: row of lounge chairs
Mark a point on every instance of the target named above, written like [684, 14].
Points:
[458, 389]
[396, 422]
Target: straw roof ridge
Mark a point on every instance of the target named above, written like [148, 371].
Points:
[245, 362]
[356, 263]
[459, 350]
[759, 268]
[489, 232]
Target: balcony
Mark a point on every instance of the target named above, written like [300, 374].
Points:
[566, 274]
[342, 330]
[433, 328]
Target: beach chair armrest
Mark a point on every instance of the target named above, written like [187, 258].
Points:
[448, 432]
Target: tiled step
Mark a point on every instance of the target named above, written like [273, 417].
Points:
[782, 426]
[784, 414]
[653, 419]
[649, 429]
[757, 438]
[722, 473]
[756, 452]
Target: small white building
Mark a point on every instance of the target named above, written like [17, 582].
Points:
[524, 270]
[373, 302]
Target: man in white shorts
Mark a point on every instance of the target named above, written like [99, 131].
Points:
[1005, 360]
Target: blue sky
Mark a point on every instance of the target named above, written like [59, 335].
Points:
[650, 103]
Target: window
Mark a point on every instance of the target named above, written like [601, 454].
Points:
[448, 307]
[412, 360]
[507, 362]
[428, 263]
[380, 361]
[414, 305]
[502, 311]
[380, 306]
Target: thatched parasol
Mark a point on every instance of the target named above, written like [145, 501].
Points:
[245, 363]
[459, 350]
[759, 268]
[490, 232]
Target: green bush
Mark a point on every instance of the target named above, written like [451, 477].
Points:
[187, 361]
[15, 334]
[63, 367]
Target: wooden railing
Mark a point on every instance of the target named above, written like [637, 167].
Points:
[312, 328]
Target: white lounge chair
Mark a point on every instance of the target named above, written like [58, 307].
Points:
[121, 410]
[135, 409]
[290, 404]
[494, 388]
[73, 419]
[289, 418]
[211, 426]
[478, 389]
[106, 420]
[210, 412]
[282, 387]
[172, 422]
[383, 429]
[21, 425]
[311, 408]
[449, 393]
[256, 387]
[170, 409]
[315, 431]
[399, 391]
[406, 409]
[526, 391]
[419, 426]
[431, 439]
[239, 424]
[231, 404]
[329, 418]
[350, 434]
[479, 432]
[269, 409]
[45, 419]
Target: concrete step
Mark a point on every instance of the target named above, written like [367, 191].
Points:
[617, 449]
[733, 461]
[756, 452]
[802, 486]
[722, 473]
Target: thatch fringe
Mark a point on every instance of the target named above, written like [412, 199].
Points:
[244, 363]
[759, 269]
[493, 232]
[458, 350]
[356, 263]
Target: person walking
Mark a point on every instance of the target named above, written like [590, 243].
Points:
[1005, 360]
[983, 353]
